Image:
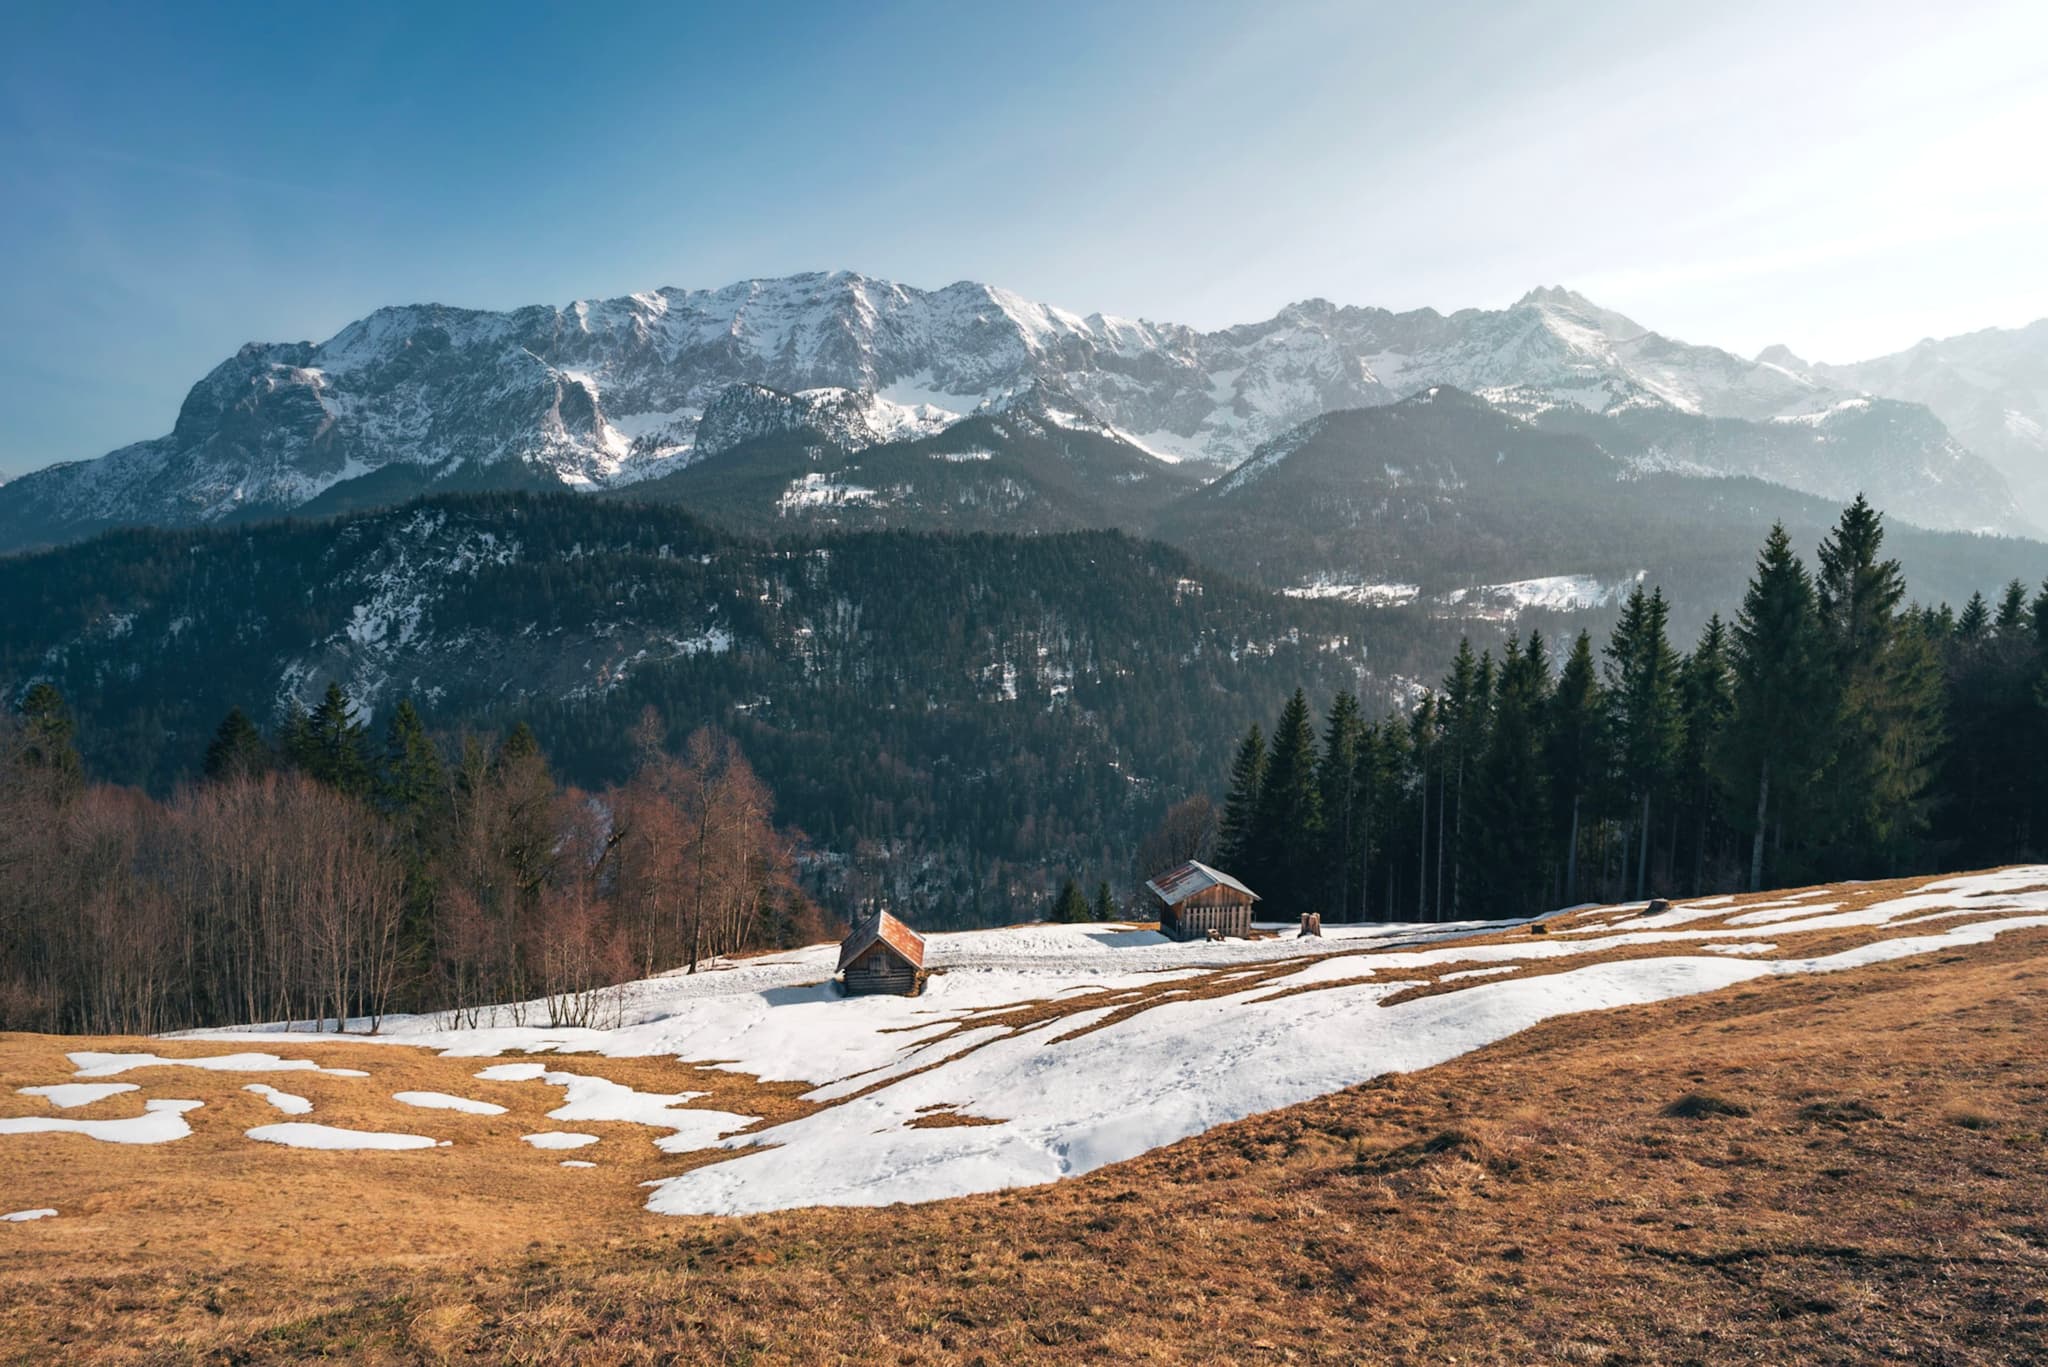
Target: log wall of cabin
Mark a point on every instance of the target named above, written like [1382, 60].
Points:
[879, 970]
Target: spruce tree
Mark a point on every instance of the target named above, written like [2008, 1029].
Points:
[1290, 827]
[1576, 753]
[1337, 778]
[1707, 692]
[1887, 715]
[412, 775]
[1105, 902]
[1070, 907]
[237, 749]
[1237, 835]
[1774, 743]
[1648, 720]
[332, 743]
[1511, 795]
[51, 736]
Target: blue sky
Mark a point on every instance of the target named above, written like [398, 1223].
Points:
[181, 179]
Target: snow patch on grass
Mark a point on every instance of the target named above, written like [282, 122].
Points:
[305, 1135]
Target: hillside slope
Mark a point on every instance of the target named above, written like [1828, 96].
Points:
[1828, 1162]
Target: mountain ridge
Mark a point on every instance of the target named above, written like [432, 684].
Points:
[602, 394]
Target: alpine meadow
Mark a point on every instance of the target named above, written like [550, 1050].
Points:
[1341, 801]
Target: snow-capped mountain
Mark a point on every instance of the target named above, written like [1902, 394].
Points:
[1990, 388]
[607, 393]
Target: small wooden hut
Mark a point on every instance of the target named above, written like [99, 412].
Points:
[881, 955]
[1197, 901]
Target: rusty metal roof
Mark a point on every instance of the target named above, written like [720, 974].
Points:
[886, 928]
[1177, 885]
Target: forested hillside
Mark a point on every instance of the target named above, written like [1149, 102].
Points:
[961, 716]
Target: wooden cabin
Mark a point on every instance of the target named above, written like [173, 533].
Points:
[1196, 901]
[881, 955]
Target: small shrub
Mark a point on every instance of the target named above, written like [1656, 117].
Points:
[1846, 1111]
[1700, 1105]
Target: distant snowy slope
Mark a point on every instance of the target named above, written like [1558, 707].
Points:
[1990, 388]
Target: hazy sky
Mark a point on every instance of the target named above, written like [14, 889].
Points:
[1845, 179]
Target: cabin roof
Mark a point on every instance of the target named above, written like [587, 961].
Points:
[1177, 885]
[890, 931]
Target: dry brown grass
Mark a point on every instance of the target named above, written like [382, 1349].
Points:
[1552, 1198]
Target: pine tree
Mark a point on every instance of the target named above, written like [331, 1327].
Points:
[1576, 753]
[412, 776]
[1343, 813]
[1105, 902]
[1070, 907]
[1423, 760]
[1512, 798]
[1975, 622]
[1887, 719]
[1290, 827]
[51, 736]
[1643, 700]
[1237, 836]
[237, 749]
[1462, 713]
[1707, 692]
[330, 746]
[1772, 747]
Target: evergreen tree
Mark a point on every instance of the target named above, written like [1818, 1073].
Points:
[1707, 693]
[1423, 761]
[1647, 716]
[1772, 747]
[1105, 903]
[1070, 907]
[237, 749]
[1975, 622]
[1290, 827]
[51, 736]
[1343, 812]
[1238, 836]
[1576, 753]
[1462, 714]
[412, 776]
[330, 746]
[1887, 718]
[1511, 834]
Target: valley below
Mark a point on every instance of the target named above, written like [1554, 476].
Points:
[1802, 1124]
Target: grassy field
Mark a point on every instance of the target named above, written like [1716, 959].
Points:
[1844, 1168]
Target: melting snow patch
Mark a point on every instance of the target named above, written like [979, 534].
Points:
[559, 1139]
[69, 1094]
[22, 1216]
[596, 1098]
[303, 1135]
[160, 1123]
[577, 1163]
[441, 1101]
[92, 1064]
[284, 1101]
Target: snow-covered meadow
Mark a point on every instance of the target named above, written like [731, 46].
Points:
[1037, 1052]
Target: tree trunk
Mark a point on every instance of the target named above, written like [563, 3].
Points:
[1756, 844]
[1571, 858]
[1643, 850]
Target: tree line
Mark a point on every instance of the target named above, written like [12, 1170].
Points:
[320, 875]
[1832, 730]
